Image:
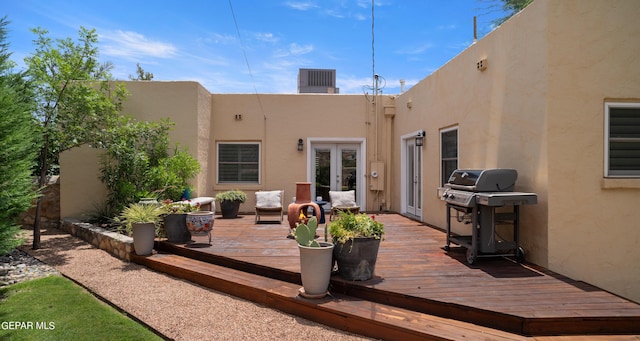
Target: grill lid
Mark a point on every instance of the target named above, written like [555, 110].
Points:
[488, 180]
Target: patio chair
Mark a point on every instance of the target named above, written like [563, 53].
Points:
[269, 203]
[343, 201]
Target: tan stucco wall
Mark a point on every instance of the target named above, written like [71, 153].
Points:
[187, 105]
[538, 108]
[81, 191]
[184, 103]
[594, 232]
[277, 122]
[500, 114]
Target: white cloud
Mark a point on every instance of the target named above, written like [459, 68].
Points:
[301, 5]
[298, 50]
[293, 50]
[267, 37]
[360, 17]
[224, 39]
[134, 45]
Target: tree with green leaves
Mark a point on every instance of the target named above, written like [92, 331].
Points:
[136, 164]
[141, 75]
[18, 132]
[511, 7]
[75, 103]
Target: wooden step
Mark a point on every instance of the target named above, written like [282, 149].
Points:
[511, 304]
[338, 311]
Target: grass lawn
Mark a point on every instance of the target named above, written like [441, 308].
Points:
[55, 308]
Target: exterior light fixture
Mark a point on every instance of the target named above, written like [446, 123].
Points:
[420, 138]
[300, 145]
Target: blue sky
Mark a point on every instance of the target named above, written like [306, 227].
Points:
[269, 40]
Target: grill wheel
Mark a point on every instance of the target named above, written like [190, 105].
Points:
[471, 256]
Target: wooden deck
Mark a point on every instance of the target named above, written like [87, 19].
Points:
[417, 286]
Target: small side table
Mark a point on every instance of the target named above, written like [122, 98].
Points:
[320, 203]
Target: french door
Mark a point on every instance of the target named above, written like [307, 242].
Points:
[413, 169]
[335, 167]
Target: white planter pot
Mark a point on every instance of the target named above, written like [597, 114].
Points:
[144, 235]
[315, 269]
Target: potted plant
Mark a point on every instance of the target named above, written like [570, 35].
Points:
[230, 202]
[175, 220]
[316, 260]
[141, 221]
[357, 239]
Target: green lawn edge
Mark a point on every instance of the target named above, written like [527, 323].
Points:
[55, 308]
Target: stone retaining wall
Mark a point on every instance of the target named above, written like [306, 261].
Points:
[117, 244]
[50, 210]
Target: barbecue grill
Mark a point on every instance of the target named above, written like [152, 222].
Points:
[477, 197]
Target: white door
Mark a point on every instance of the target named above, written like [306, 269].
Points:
[413, 175]
[336, 167]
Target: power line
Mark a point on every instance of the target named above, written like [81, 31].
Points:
[255, 89]
[246, 59]
[373, 50]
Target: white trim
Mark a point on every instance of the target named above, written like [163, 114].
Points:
[218, 143]
[403, 170]
[362, 163]
[440, 132]
[607, 107]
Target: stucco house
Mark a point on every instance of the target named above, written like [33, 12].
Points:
[557, 98]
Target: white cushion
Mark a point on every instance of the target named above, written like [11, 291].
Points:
[343, 198]
[269, 199]
[200, 201]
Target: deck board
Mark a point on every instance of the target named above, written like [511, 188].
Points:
[416, 274]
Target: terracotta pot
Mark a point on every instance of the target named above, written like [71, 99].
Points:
[303, 192]
[303, 201]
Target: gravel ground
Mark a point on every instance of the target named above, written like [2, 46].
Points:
[177, 309]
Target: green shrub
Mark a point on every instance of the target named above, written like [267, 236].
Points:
[137, 164]
[232, 195]
[349, 226]
[170, 177]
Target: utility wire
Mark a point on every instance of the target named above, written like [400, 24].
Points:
[373, 50]
[255, 89]
[246, 59]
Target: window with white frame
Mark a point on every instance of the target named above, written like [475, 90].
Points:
[622, 139]
[448, 153]
[238, 162]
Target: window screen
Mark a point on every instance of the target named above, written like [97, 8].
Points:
[623, 140]
[448, 153]
[238, 162]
